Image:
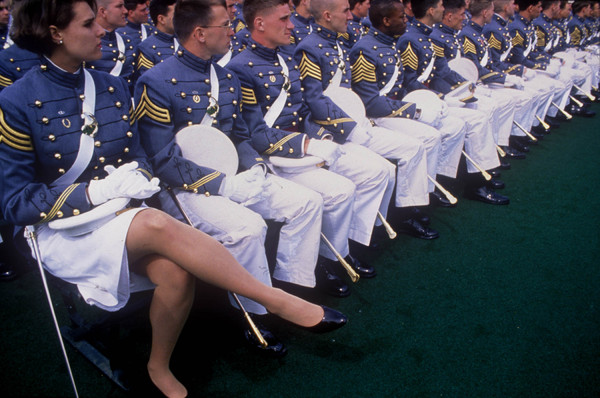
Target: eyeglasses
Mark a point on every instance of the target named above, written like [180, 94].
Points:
[228, 25]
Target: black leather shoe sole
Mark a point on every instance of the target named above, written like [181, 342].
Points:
[513, 153]
[438, 199]
[495, 183]
[416, 229]
[486, 195]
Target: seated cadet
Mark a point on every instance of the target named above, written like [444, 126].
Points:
[162, 43]
[447, 48]
[239, 40]
[418, 57]
[325, 75]
[360, 21]
[189, 88]
[4, 22]
[302, 20]
[527, 103]
[238, 23]
[118, 55]
[547, 35]
[137, 28]
[14, 63]
[278, 119]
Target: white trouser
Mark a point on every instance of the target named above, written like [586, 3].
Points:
[421, 150]
[242, 230]
[501, 110]
[453, 132]
[338, 195]
[525, 107]
[479, 139]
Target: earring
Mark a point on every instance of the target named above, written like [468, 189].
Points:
[60, 41]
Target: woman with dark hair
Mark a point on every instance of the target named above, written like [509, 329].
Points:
[66, 147]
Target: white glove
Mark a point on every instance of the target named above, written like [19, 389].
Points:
[124, 182]
[529, 74]
[360, 135]
[514, 81]
[246, 187]
[453, 102]
[432, 115]
[327, 150]
[553, 68]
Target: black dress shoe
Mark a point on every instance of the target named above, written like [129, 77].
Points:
[495, 183]
[504, 163]
[552, 122]
[417, 214]
[438, 199]
[486, 195]
[560, 117]
[363, 269]
[519, 143]
[332, 320]
[513, 153]
[495, 173]
[328, 282]
[274, 348]
[416, 229]
[7, 272]
[580, 111]
[539, 131]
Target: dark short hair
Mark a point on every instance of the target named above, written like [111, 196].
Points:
[295, 2]
[32, 20]
[192, 13]
[353, 3]
[580, 5]
[131, 5]
[477, 6]
[420, 7]
[546, 4]
[253, 7]
[453, 5]
[524, 4]
[380, 9]
[159, 7]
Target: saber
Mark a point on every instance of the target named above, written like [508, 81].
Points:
[353, 275]
[543, 123]
[251, 323]
[388, 228]
[443, 190]
[485, 174]
[565, 113]
[576, 101]
[501, 151]
[527, 133]
[36, 249]
[589, 95]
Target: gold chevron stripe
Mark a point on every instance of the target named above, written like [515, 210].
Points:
[147, 108]
[14, 138]
[469, 46]
[248, 96]
[280, 143]
[363, 70]
[409, 58]
[541, 37]
[518, 40]
[239, 26]
[5, 81]
[204, 180]
[495, 43]
[142, 61]
[309, 68]
[59, 203]
[439, 51]
[346, 36]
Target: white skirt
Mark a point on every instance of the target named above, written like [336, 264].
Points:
[96, 262]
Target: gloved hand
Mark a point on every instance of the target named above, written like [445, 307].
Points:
[360, 135]
[432, 114]
[327, 150]
[122, 182]
[246, 187]
[553, 68]
[454, 102]
[529, 74]
[514, 81]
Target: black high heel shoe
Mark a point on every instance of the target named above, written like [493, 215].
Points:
[332, 320]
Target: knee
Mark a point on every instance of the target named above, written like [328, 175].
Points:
[155, 221]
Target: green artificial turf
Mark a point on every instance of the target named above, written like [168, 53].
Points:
[505, 303]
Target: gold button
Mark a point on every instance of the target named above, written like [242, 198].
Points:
[96, 178]
[174, 81]
[126, 150]
[206, 81]
[280, 148]
[52, 137]
[45, 120]
[231, 89]
[119, 160]
[38, 103]
[43, 215]
[195, 190]
[182, 94]
[291, 150]
[189, 110]
[118, 104]
[44, 68]
[61, 171]
[207, 194]
[125, 117]
[102, 159]
[59, 214]
[76, 212]
[129, 134]
[97, 144]
[111, 89]
[57, 156]
[185, 186]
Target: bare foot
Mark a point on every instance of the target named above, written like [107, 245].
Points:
[167, 383]
[296, 310]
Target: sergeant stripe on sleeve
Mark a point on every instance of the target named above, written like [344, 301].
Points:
[541, 37]
[345, 36]
[142, 61]
[576, 36]
[439, 51]
[147, 108]
[363, 70]
[409, 58]
[280, 143]
[495, 43]
[204, 180]
[5, 81]
[469, 47]
[13, 138]
[59, 203]
[518, 40]
[248, 96]
[309, 68]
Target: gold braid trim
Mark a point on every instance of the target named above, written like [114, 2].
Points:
[495, 43]
[147, 108]
[469, 47]
[402, 109]
[439, 51]
[5, 81]
[14, 138]
[334, 121]
[280, 143]
[518, 40]
[60, 202]
[248, 96]
[204, 180]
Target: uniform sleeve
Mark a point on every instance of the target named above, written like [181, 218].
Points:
[446, 79]
[153, 119]
[494, 40]
[25, 199]
[365, 84]
[411, 63]
[517, 54]
[325, 112]
[486, 75]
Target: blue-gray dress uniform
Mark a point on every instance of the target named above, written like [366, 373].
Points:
[577, 37]
[302, 27]
[14, 63]
[3, 36]
[137, 33]
[40, 130]
[154, 50]
[176, 93]
[118, 57]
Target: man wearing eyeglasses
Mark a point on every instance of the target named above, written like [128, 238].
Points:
[189, 88]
